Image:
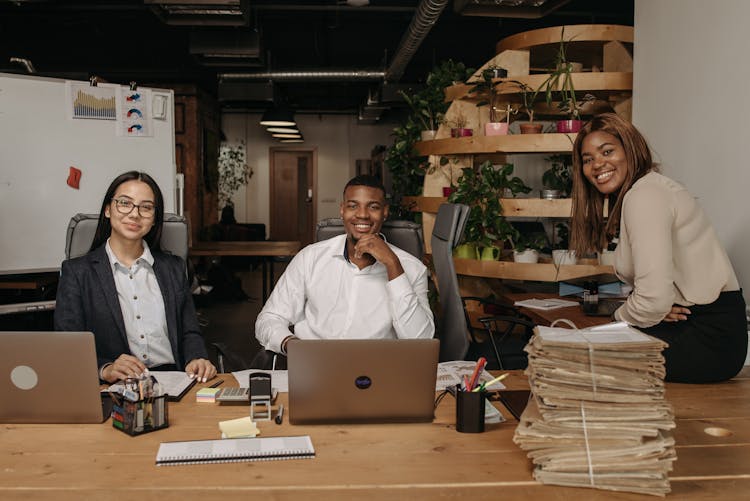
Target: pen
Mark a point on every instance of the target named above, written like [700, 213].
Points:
[488, 383]
[216, 384]
[477, 370]
[280, 414]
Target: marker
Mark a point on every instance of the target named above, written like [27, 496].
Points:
[481, 362]
[489, 383]
[280, 414]
[216, 384]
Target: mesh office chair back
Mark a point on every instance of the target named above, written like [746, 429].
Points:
[449, 227]
[405, 235]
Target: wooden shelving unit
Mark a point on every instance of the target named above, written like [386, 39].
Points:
[542, 272]
[513, 207]
[516, 143]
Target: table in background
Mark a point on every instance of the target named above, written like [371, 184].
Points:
[266, 250]
[389, 461]
[545, 317]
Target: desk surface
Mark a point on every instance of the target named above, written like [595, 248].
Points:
[250, 248]
[546, 317]
[394, 461]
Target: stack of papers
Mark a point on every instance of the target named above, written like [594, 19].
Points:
[598, 417]
[545, 304]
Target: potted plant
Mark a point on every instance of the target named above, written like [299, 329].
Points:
[560, 252]
[407, 168]
[233, 172]
[557, 179]
[445, 166]
[424, 113]
[458, 125]
[527, 247]
[560, 80]
[486, 89]
[529, 99]
[481, 189]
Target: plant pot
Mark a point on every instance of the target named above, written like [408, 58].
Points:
[607, 258]
[550, 194]
[490, 253]
[461, 132]
[569, 126]
[527, 256]
[531, 128]
[466, 251]
[428, 135]
[563, 256]
[496, 72]
[496, 129]
[447, 190]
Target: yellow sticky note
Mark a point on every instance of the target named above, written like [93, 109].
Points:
[238, 428]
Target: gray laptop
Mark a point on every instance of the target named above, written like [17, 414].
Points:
[49, 377]
[371, 381]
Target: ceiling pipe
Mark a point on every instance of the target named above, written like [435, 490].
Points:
[310, 75]
[423, 21]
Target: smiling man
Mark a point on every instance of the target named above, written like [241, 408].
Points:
[352, 286]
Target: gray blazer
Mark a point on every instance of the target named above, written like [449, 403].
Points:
[87, 301]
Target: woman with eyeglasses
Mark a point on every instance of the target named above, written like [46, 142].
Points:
[133, 297]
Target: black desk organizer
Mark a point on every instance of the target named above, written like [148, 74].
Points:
[142, 416]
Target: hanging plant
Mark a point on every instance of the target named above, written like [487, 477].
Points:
[233, 172]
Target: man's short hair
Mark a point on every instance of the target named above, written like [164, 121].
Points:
[366, 180]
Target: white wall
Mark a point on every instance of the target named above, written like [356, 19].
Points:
[339, 142]
[691, 103]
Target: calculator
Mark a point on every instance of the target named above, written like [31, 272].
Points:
[234, 395]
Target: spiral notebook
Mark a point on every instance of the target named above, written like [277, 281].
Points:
[234, 450]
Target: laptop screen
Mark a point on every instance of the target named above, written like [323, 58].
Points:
[49, 377]
[373, 380]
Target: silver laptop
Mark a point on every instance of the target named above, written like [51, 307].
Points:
[372, 381]
[49, 377]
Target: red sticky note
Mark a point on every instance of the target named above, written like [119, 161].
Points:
[74, 178]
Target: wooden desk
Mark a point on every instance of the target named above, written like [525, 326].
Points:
[395, 461]
[546, 317]
[265, 249]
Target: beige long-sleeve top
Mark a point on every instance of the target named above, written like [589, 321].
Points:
[668, 251]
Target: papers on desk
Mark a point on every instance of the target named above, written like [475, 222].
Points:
[545, 304]
[452, 373]
[598, 417]
[234, 450]
[173, 383]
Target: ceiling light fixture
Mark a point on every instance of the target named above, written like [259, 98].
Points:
[284, 130]
[300, 140]
[278, 117]
[287, 136]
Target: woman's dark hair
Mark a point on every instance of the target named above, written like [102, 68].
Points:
[589, 231]
[104, 227]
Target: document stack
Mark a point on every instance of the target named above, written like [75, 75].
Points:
[597, 416]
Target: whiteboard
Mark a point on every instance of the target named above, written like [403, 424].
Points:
[40, 141]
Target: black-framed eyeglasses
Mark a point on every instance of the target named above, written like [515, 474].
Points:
[125, 206]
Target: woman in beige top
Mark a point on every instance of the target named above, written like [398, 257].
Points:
[684, 288]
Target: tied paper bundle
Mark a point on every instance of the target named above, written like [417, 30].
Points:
[598, 417]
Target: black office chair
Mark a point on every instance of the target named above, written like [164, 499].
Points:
[509, 334]
[453, 331]
[405, 235]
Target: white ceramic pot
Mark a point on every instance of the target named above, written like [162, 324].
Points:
[428, 135]
[563, 256]
[527, 256]
[496, 129]
[607, 257]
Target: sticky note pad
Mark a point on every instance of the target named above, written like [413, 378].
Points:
[237, 428]
[207, 394]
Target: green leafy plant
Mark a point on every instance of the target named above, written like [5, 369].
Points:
[532, 241]
[529, 95]
[233, 171]
[560, 80]
[481, 189]
[424, 111]
[486, 89]
[407, 167]
[559, 175]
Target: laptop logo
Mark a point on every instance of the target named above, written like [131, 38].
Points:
[24, 377]
[363, 382]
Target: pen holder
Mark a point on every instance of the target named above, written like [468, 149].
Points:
[142, 416]
[470, 411]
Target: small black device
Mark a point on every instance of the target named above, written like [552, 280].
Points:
[260, 396]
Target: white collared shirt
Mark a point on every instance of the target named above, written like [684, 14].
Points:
[324, 296]
[142, 307]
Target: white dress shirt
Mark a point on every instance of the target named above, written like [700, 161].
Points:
[142, 306]
[668, 251]
[324, 296]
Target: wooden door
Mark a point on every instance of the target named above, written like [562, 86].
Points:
[293, 194]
